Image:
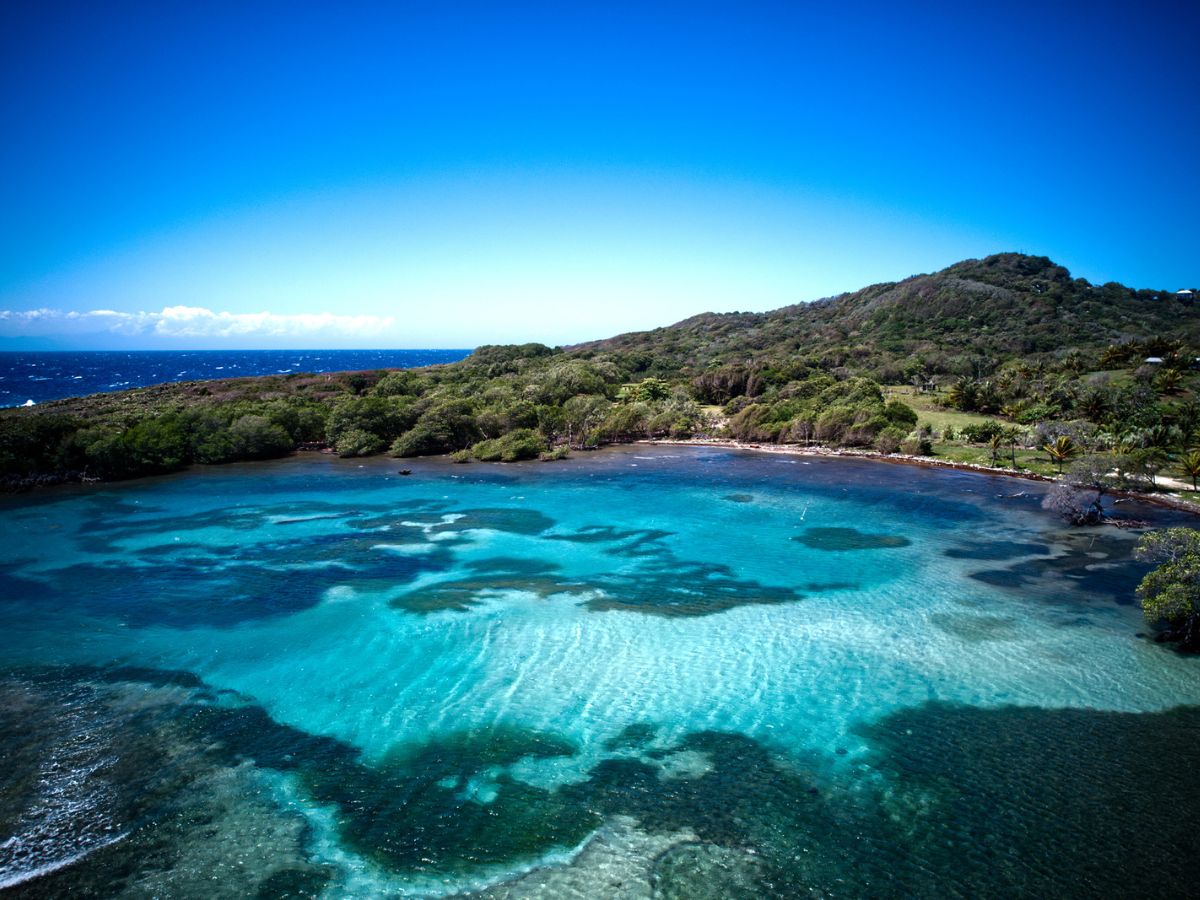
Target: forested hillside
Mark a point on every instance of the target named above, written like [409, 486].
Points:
[1009, 352]
[969, 317]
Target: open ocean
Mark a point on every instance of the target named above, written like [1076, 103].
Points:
[51, 375]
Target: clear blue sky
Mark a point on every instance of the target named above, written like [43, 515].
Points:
[445, 174]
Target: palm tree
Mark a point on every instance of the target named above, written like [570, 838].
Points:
[1012, 434]
[962, 394]
[1190, 465]
[1113, 356]
[1093, 403]
[987, 398]
[1062, 450]
[996, 444]
[1168, 381]
[1150, 460]
[1187, 417]
[1163, 437]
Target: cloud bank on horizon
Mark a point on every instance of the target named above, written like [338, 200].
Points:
[188, 322]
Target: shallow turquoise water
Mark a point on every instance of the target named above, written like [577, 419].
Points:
[646, 671]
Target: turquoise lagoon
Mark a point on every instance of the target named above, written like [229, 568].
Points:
[641, 672]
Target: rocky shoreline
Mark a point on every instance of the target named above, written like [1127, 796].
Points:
[17, 484]
[923, 461]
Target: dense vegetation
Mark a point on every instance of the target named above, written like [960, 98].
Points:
[502, 403]
[968, 319]
[1009, 355]
[1170, 593]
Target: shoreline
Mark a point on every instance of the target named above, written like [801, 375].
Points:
[18, 486]
[928, 462]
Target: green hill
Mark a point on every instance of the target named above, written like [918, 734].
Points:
[1009, 336]
[1005, 306]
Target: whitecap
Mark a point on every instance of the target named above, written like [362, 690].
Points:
[13, 878]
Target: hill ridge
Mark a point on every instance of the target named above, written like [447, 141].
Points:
[1001, 305]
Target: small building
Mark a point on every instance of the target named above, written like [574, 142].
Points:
[1153, 360]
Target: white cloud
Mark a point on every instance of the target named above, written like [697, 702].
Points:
[188, 322]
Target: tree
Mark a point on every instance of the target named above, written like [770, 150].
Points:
[442, 428]
[385, 417]
[1190, 464]
[524, 443]
[625, 422]
[1094, 403]
[1062, 449]
[987, 398]
[582, 413]
[1170, 593]
[1187, 418]
[963, 394]
[158, 445]
[257, 437]
[400, 384]
[1149, 460]
[996, 444]
[647, 390]
[1169, 381]
[356, 442]
[1078, 496]
[1012, 435]
[900, 414]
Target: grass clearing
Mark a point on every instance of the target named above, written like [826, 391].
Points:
[929, 413]
[1032, 460]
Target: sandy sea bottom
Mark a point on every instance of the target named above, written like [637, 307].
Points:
[669, 672]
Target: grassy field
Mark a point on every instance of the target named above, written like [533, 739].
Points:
[929, 413]
[1033, 460]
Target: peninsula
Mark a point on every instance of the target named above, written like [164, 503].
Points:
[1006, 360]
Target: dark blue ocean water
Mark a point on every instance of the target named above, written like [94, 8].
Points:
[50, 375]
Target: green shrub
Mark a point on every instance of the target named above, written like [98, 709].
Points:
[105, 453]
[405, 383]
[524, 443]
[257, 437]
[900, 414]
[158, 445]
[981, 432]
[890, 439]
[212, 441]
[385, 417]
[28, 442]
[916, 445]
[1037, 412]
[356, 442]
[302, 420]
[443, 428]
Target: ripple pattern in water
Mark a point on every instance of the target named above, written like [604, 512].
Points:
[635, 673]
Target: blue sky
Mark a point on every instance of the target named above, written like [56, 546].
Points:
[232, 174]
